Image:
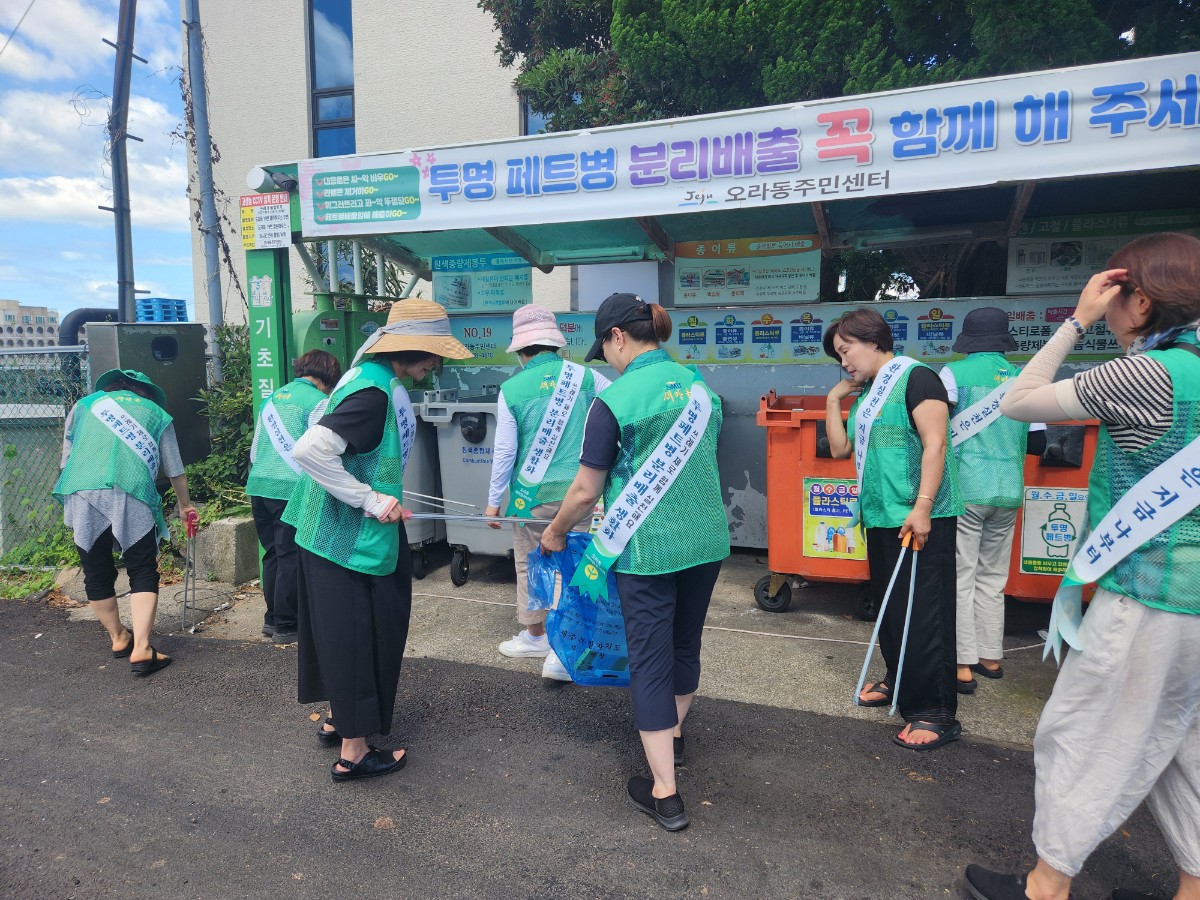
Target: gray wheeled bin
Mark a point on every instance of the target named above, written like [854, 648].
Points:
[466, 430]
[421, 476]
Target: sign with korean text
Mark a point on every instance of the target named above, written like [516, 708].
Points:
[1052, 522]
[266, 221]
[826, 520]
[482, 282]
[923, 329]
[267, 276]
[1126, 116]
[1059, 254]
[748, 270]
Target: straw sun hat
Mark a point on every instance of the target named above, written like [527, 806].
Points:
[416, 324]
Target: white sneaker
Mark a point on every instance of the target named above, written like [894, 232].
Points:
[553, 668]
[525, 644]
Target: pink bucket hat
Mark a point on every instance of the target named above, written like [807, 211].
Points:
[534, 326]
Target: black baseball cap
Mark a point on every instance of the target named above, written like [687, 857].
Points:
[615, 311]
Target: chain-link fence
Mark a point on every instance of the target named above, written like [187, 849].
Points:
[37, 390]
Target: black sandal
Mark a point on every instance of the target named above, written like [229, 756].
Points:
[126, 650]
[376, 762]
[328, 738]
[945, 731]
[151, 665]
[879, 687]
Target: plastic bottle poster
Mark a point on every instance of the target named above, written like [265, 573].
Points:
[828, 511]
[1053, 520]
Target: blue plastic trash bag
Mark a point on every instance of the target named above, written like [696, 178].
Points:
[588, 636]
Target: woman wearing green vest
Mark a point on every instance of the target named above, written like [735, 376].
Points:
[539, 430]
[273, 477]
[908, 485]
[116, 443]
[355, 569]
[650, 446]
[1123, 722]
[990, 450]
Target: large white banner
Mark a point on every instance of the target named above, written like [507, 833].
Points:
[1117, 117]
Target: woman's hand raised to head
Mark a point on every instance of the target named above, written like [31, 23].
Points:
[1097, 294]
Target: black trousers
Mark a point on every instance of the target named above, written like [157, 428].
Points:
[100, 575]
[927, 689]
[352, 630]
[280, 564]
[664, 621]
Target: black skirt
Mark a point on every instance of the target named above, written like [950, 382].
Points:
[352, 630]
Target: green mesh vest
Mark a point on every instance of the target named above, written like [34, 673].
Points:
[101, 460]
[1163, 573]
[270, 476]
[527, 395]
[334, 530]
[892, 473]
[688, 526]
[991, 462]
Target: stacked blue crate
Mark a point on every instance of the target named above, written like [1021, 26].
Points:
[161, 309]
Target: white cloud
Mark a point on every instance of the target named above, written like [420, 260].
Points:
[57, 198]
[61, 39]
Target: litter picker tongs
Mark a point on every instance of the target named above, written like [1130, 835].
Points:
[446, 516]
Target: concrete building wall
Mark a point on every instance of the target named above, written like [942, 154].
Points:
[424, 75]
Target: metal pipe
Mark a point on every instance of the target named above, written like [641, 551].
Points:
[331, 267]
[209, 225]
[442, 500]
[358, 275]
[408, 288]
[380, 281]
[118, 121]
[310, 266]
[459, 517]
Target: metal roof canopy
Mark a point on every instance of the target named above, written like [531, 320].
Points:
[950, 214]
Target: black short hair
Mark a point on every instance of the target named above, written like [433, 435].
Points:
[318, 364]
[867, 326]
[535, 349]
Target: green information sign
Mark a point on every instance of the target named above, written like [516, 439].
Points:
[366, 195]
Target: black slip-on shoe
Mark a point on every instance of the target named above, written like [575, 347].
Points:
[966, 687]
[667, 812]
[678, 743]
[268, 630]
[981, 669]
[328, 738]
[149, 666]
[377, 762]
[285, 637]
[983, 884]
[124, 652]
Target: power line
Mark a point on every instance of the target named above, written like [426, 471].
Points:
[13, 33]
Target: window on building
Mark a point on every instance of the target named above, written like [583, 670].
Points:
[531, 122]
[41, 320]
[27, 319]
[331, 64]
[10, 317]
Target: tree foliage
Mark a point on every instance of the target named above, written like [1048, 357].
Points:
[583, 64]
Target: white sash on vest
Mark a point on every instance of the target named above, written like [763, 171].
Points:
[641, 495]
[406, 420]
[129, 431]
[868, 410]
[281, 440]
[549, 433]
[979, 415]
[1159, 500]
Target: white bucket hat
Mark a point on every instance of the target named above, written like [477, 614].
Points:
[534, 326]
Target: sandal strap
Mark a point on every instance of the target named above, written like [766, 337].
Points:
[346, 764]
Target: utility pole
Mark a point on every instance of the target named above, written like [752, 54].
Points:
[117, 122]
[204, 175]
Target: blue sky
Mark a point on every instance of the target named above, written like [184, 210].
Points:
[56, 248]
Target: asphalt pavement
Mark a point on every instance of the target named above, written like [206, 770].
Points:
[206, 780]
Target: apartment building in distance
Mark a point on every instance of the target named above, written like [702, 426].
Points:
[27, 326]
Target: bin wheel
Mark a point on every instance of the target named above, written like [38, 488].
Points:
[779, 602]
[867, 610]
[460, 566]
[420, 564]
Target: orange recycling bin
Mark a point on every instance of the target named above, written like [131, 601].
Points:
[808, 502]
[809, 530]
[1053, 513]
